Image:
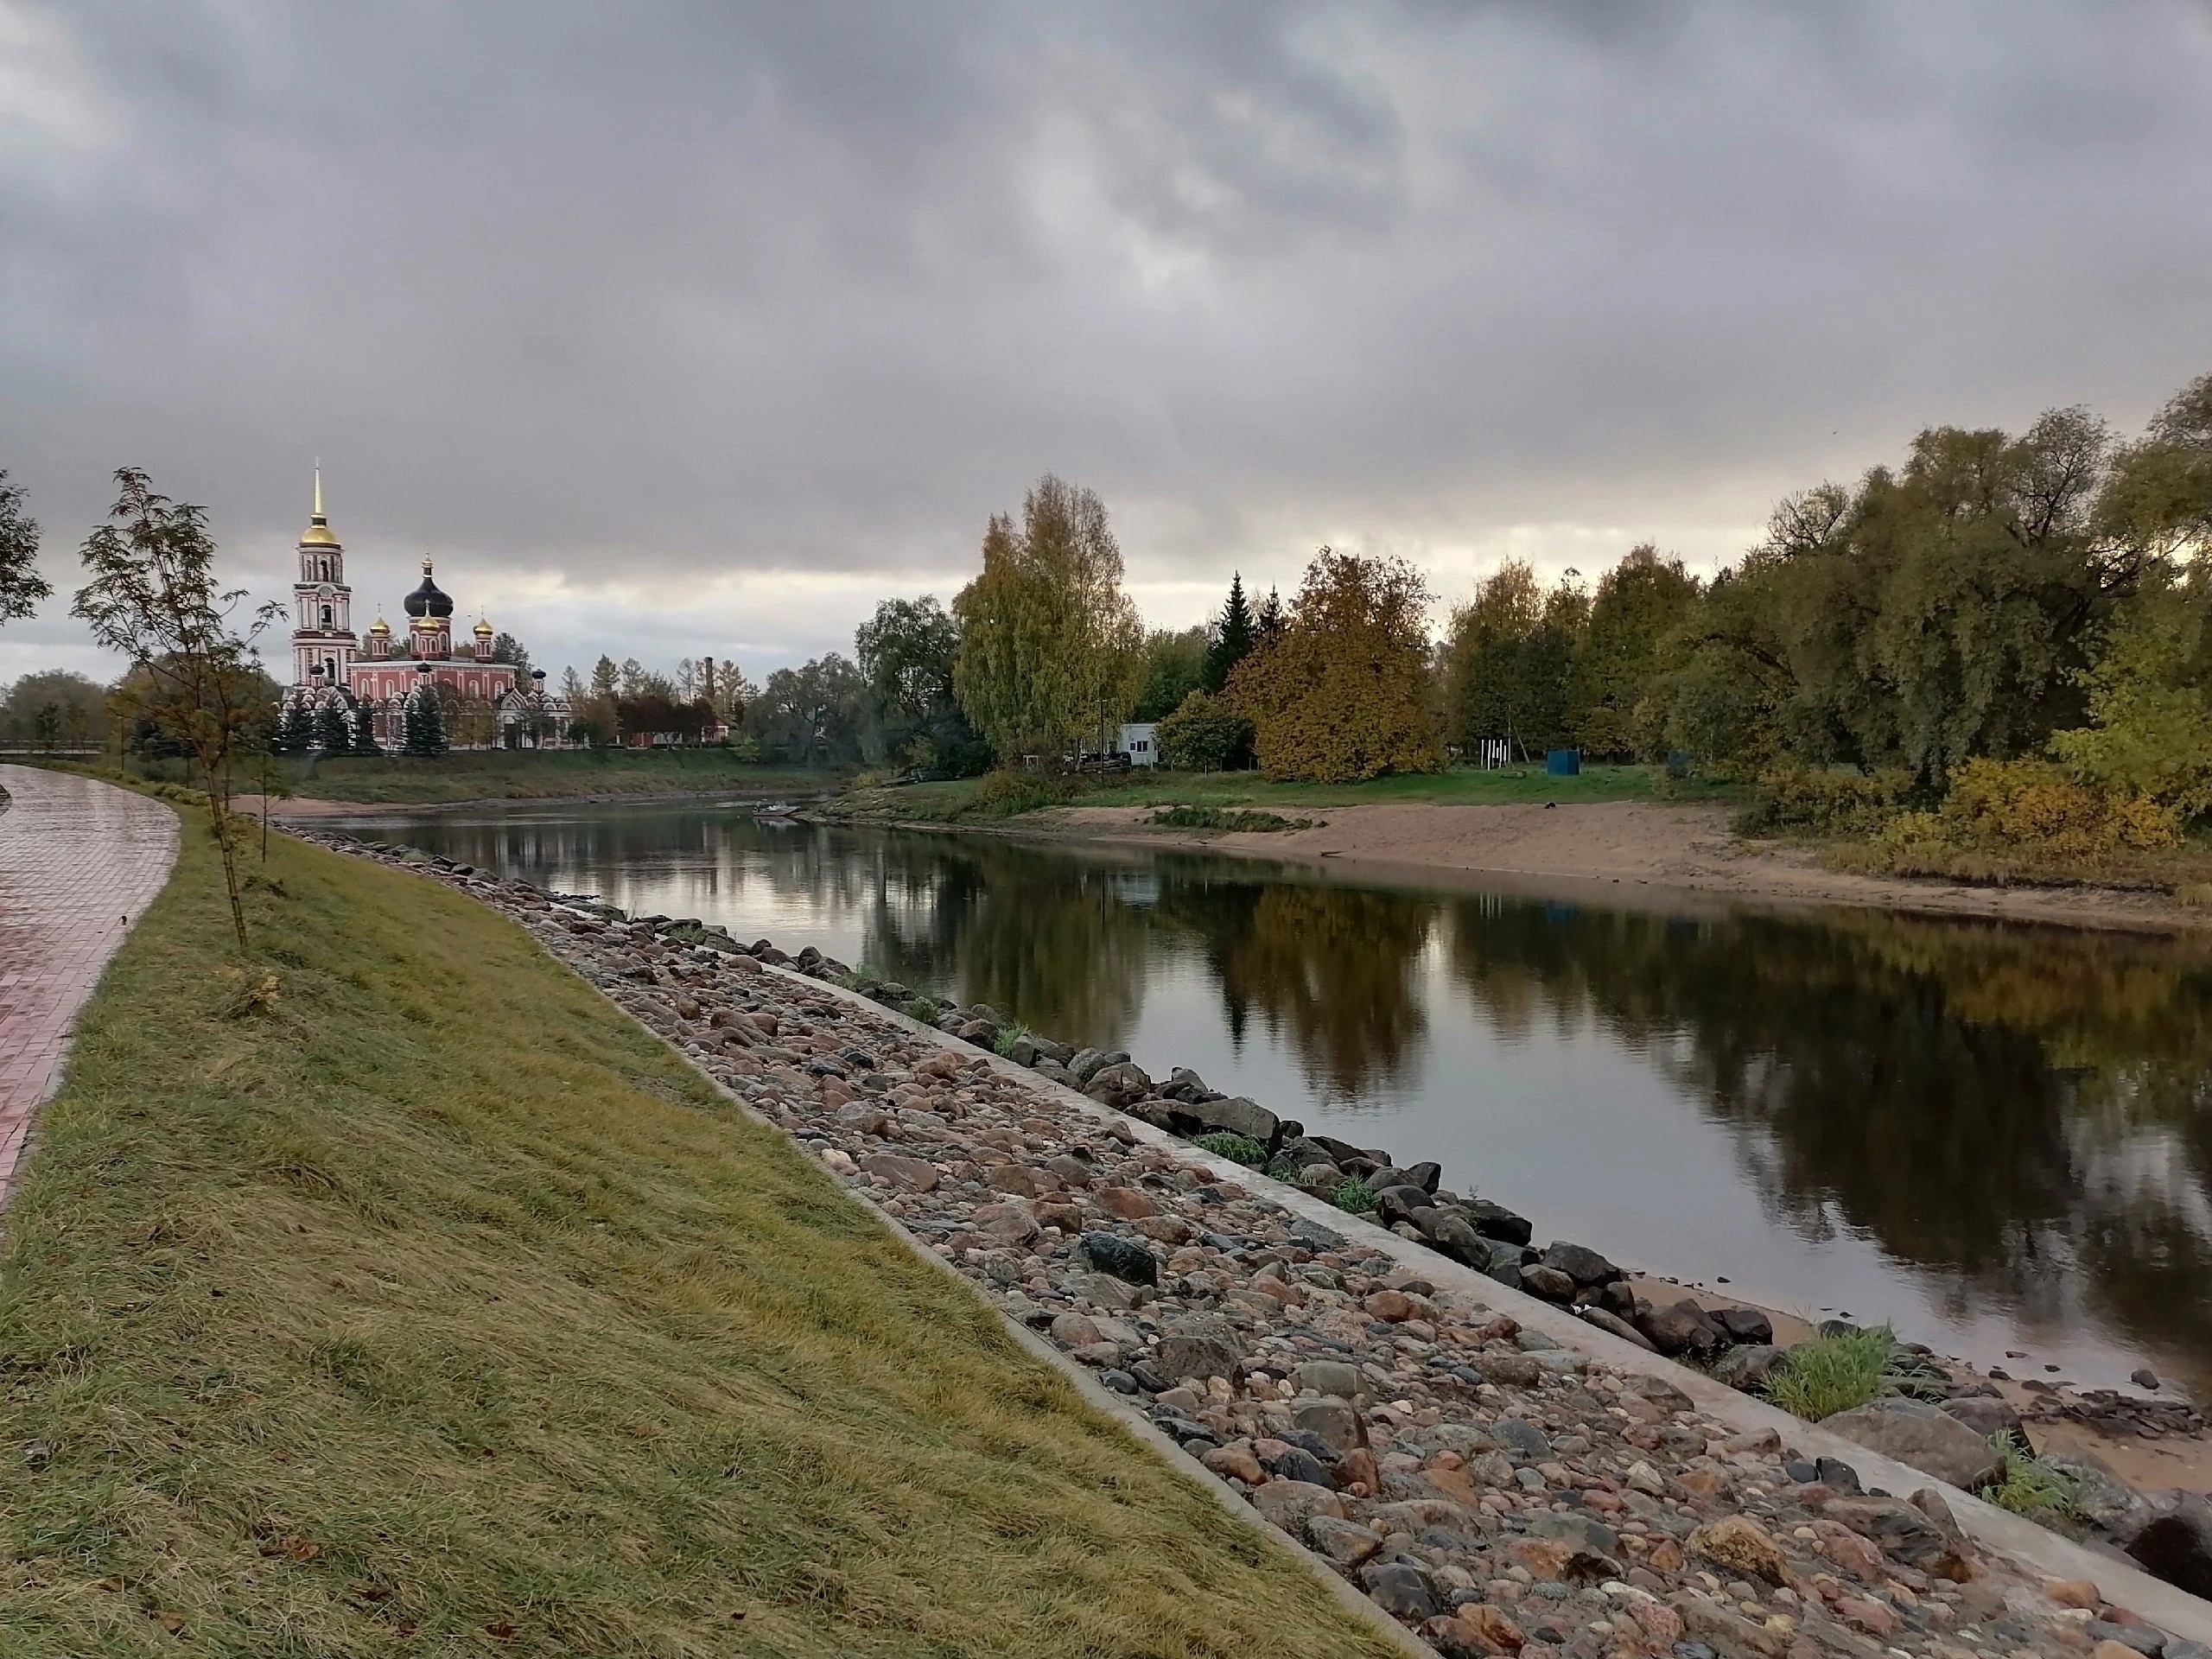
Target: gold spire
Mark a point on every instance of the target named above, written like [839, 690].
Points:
[317, 533]
[483, 629]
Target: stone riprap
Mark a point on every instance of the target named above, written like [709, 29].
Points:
[1491, 1488]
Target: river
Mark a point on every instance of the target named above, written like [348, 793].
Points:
[1997, 1137]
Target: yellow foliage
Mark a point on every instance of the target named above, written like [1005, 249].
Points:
[1339, 695]
[2031, 804]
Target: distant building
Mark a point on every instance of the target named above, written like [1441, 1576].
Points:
[330, 663]
[1140, 741]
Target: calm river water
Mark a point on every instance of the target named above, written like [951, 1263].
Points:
[1996, 1137]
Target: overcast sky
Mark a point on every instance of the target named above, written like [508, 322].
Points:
[672, 329]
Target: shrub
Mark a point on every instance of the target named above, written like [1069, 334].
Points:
[1216, 818]
[1003, 1046]
[1006, 794]
[1240, 1148]
[2027, 1485]
[1826, 1375]
[1813, 801]
[2032, 804]
[1204, 734]
[1356, 1197]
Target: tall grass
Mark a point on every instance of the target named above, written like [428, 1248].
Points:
[1827, 1375]
[429, 1305]
[2027, 1485]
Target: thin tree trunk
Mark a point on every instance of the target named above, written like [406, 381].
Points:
[218, 815]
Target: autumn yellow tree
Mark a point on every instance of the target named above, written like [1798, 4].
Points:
[1340, 693]
[1049, 644]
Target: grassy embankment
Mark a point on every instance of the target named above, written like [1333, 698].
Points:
[977, 799]
[396, 1285]
[533, 774]
[2184, 871]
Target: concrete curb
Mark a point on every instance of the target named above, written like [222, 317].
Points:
[2172, 1609]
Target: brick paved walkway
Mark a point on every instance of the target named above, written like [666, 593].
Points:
[78, 861]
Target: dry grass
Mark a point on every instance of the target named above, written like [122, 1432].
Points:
[425, 1304]
[2175, 870]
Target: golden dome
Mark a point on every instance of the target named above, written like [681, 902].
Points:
[380, 628]
[483, 629]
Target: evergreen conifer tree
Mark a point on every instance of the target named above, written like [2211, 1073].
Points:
[365, 730]
[424, 729]
[1268, 626]
[296, 732]
[1233, 640]
[330, 736]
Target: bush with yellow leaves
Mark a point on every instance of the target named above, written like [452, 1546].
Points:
[2031, 805]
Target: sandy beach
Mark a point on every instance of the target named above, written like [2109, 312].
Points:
[1621, 844]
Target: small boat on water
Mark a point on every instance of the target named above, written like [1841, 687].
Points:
[783, 809]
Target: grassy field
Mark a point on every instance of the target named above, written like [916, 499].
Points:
[524, 774]
[971, 797]
[390, 1291]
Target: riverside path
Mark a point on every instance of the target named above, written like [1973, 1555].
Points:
[80, 862]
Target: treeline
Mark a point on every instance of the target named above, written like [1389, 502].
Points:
[2033, 599]
[2034, 602]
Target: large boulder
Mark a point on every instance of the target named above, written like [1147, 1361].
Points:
[1926, 1437]
[1613, 1325]
[2101, 1497]
[1906, 1532]
[1745, 1325]
[1683, 1328]
[1748, 1368]
[1119, 1085]
[1496, 1221]
[1452, 1235]
[1548, 1282]
[1354, 1161]
[2177, 1546]
[1125, 1259]
[1231, 1115]
[1334, 1420]
[1197, 1347]
[1580, 1263]
[1398, 1201]
[1986, 1414]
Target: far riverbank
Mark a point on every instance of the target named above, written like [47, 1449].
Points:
[1683, 848]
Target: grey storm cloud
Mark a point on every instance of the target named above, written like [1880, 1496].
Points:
[743, 313]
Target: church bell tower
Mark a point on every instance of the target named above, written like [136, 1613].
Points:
[322, 630]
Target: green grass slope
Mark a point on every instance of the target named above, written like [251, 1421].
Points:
[419, 1302]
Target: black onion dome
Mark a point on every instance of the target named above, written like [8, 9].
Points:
[429, 599]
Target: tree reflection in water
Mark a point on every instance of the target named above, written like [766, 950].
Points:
[2020, 1110]
[2019, 1116]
